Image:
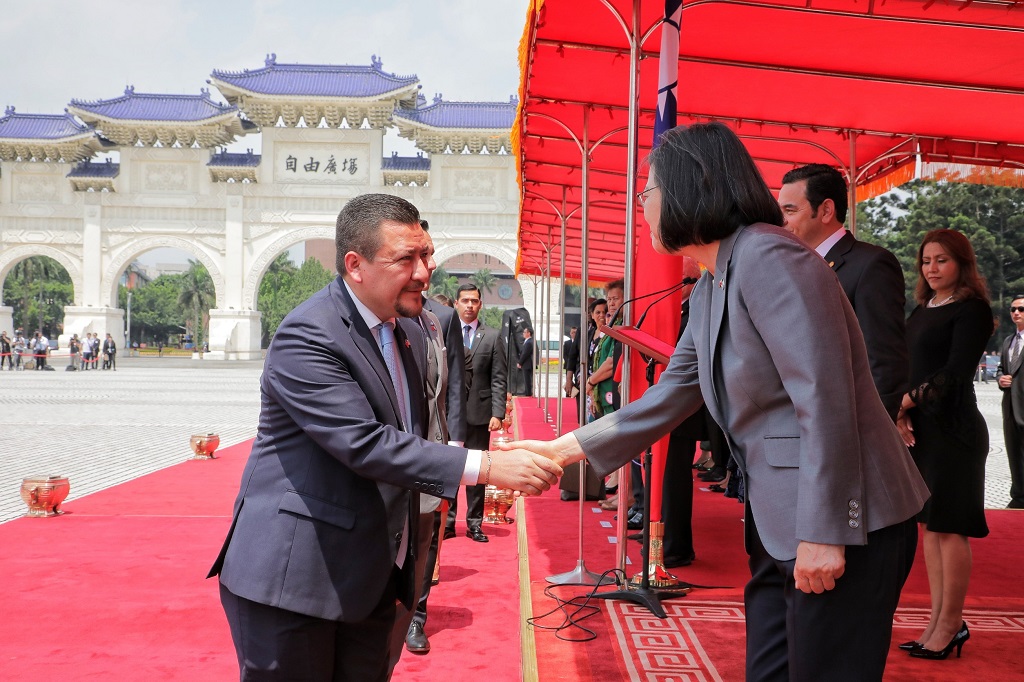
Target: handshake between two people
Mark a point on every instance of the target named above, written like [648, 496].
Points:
[529, 467]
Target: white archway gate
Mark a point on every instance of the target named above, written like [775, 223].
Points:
[171, 197]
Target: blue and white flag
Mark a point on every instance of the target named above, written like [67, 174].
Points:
[668, 71]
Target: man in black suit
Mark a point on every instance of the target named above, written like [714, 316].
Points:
[1011, 383]
[322, 540]
[525, 361]
[485, 401]
[814, 201]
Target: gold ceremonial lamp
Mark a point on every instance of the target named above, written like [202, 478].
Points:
[657, 575]
[44, 494]
[204, 445]
[497, 501]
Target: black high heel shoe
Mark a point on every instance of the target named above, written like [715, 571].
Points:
[912, 645]
[958, 641]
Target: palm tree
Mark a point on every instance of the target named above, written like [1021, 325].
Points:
[197, 295]
[484, 280]
[443, 283]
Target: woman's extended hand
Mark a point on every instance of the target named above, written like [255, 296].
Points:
[564, 450]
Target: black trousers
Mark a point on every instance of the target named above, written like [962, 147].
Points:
[275, 645]
[1013, 433]
[840, 635]
[478, 437]
[426, 557]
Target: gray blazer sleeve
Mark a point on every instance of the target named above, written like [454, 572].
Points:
[616, 438]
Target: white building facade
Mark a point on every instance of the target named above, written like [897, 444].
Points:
[322, 131]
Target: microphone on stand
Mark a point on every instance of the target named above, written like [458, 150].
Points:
[667, 291]
[686, 281]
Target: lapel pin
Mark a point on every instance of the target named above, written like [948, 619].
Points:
[407, 344]
[831, 263]
[721, 283]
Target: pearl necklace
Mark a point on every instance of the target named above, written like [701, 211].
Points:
[933, 304]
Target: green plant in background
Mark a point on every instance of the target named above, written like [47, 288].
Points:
[38, 288]
[443, 283]
[991, 217]
[286, 286]
[196, 297]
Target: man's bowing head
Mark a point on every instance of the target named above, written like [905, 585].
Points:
[384, 254]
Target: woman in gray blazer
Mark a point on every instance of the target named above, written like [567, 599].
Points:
[774, 350]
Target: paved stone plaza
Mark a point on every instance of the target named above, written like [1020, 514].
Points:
[101, 428]
[104, 428]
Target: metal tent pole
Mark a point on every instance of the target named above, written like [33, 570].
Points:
[581, 575]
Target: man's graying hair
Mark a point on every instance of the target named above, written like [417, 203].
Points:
[358, 226]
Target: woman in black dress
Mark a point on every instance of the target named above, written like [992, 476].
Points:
[940, 422]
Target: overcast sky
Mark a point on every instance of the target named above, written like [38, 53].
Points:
[57, 50]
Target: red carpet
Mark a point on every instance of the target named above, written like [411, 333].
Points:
[115, 589]
[703, 638]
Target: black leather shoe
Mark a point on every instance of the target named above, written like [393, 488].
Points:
[713, 476]
[476, 535]
[635, 522]
[416, 640]
[449, 533]
[910, 646]
[678, 561]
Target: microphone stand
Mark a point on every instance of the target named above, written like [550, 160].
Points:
[640, 591]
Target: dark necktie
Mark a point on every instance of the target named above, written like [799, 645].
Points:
[467, 336]
[1015, 348]
[389, 350]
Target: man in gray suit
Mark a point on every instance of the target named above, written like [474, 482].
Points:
[814, 202]
[1011, 383]
[322, 540]
[446, 424]
[485, 399]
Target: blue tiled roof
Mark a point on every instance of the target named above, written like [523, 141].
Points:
[322, 80]
[441, 114]
[405, 163]
[90, 169]
[15, 126]
[133, 106]
[234, 160]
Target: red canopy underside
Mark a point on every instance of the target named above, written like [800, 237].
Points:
[796, 80]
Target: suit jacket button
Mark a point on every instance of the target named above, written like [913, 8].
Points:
[854, 504]
[854, 523]
[854, 514]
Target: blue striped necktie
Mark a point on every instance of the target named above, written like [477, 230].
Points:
[389, 350]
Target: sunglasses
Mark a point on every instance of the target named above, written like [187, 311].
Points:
[1019, 309]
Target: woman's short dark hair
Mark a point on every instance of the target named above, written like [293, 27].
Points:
[593, 305]
[970, 284]
[709, 186]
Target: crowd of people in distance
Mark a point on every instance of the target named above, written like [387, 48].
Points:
[19, 353]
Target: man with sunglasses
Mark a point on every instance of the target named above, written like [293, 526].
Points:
[814, 201]
[1011, 382]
